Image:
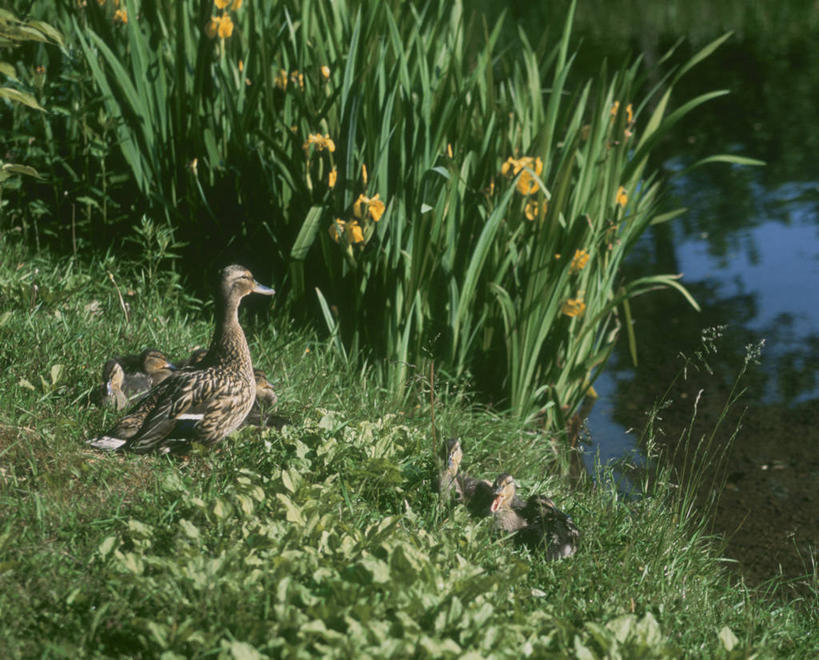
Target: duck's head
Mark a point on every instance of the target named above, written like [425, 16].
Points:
[454, 455]
[264, 389]
[237, 281]
[505, 488]
[154, 362]
[112, 376]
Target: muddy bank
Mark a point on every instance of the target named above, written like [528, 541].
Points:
[767, 486]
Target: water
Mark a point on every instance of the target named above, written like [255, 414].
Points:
[773, 262]
[748, 249]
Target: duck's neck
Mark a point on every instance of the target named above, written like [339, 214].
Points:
[229, 344]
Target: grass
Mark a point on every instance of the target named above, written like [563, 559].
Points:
[325, 538]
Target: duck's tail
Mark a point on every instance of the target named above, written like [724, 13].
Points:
[106, 443]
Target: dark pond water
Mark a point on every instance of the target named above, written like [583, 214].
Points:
[748, 248]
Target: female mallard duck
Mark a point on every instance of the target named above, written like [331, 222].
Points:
[475, 494]
[537, 521]
[110, 392]
[222, 385]
[143, 371]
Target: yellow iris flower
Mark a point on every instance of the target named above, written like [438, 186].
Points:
[622, 197]
[573, 307]
[375, 207]
[322, 142]
[579, 261]
[524, 166]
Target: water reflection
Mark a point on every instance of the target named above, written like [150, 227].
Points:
[749, 253]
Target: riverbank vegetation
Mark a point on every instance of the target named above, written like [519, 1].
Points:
[427, 198]
[414, 186]
[325, 537]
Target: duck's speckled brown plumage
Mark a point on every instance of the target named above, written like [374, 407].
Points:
[538, 523]
[452, 456]
[195, 358]
[222, 385]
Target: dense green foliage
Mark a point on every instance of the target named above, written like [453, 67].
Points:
[430, 192]
[325, 538]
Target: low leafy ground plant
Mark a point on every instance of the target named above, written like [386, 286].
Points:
[324, 538]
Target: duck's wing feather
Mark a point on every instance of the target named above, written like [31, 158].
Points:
[550, 525]
[165, 404]
[106, 443]
[136, 384]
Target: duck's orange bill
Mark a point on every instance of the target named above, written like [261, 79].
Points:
[495, 504]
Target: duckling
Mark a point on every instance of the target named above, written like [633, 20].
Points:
[475, 494]
[195, 358]
[452, 455]
[143, 371]
[266, 398]
[223, 384]
[537, 521]
[110, 392]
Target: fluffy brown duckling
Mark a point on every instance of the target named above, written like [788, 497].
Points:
[196, 356]
[143, 371]
[538, 523]
[110, 392]
[475, 494]
[452, 456]
[222, 385]
[266, 398]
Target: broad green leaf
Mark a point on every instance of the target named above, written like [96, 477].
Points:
[287, 482]
[189, 529]
[670, 215]
[20, 169]
[49, 31]
[107, 546]
[307, 233]
[140, 529]
[17, 96]
[728, 638]
[241, 650]
[131, 562]
[293, 513]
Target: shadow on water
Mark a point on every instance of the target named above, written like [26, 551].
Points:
[748, 247]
